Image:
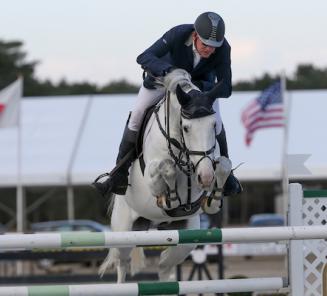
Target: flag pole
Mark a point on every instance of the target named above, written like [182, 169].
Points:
[285, 177]
[70, 189]
[20, 204]
[20, 201]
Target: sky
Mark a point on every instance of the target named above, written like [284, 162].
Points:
[98, 40]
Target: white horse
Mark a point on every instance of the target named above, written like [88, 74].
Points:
[183, 175]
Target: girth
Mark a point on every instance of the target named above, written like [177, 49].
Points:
[188, 209]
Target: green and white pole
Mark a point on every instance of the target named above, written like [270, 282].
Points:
[160, 288]
[162, 238]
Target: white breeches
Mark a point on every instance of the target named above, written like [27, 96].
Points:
[148, 97]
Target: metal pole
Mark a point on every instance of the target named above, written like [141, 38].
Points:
[285, 177]
[70, 191]
[20, 198]
[70, 202]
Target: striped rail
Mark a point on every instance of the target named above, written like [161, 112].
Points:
[164, 238]
[135, 289]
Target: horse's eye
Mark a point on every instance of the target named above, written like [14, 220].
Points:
[185, 128]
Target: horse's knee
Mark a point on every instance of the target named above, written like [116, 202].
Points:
[174, 255]
[171, 257]
[168, 172]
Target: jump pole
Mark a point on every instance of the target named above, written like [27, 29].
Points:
[160, 288]
[164, 237]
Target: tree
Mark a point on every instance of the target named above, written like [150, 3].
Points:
[306, 77]
[12, 64]
[120, 86]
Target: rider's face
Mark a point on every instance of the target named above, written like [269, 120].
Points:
[204, 50]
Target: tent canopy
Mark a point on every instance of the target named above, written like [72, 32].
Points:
[54, 154]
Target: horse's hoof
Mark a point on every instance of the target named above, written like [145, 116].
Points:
[232, 186]
[214, 207]
[163, 204]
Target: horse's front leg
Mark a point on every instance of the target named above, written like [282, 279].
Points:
[173, 256]
[213, 203]
[162, 180]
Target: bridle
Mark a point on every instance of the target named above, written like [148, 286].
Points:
[186, 166]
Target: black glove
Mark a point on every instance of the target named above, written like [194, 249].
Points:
[165, 72]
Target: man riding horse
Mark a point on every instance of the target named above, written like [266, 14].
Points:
[200, 49]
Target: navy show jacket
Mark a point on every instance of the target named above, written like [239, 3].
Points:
[174, 49]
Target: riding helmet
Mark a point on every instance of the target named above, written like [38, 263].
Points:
[211, 28]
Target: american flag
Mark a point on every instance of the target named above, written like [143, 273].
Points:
[265, 111]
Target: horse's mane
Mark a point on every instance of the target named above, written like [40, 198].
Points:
[179, 77]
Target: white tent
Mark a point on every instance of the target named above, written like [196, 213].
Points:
[73, 139]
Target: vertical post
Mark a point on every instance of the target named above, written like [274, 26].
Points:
[20, 198]
[70, 202]
[20, 209]
[70, 190]
[220, 255]
[285, 178]
[295, 250]
[20, 203]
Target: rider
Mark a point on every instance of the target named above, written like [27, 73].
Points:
[201, 50]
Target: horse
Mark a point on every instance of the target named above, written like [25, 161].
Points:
[179, 175]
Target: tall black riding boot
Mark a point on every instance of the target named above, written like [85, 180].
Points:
[232, 185]
[118, 181]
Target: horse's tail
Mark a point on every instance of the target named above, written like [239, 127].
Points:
[113, 260]
[111, 202]
[137, 260]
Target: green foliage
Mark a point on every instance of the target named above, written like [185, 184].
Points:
[13, 64]
[119, 87]
[306, 77]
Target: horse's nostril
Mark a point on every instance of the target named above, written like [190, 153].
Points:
[199, 179]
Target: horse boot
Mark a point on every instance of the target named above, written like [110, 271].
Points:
[117, 182]
[232, 185]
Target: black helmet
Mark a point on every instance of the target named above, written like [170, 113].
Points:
[211, 28]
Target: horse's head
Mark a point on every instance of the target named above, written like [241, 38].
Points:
[198, 123]
[198, 129]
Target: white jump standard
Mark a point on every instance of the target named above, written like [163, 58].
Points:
[305, 277]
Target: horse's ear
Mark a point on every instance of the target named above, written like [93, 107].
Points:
[214, 92]
[182, 97]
